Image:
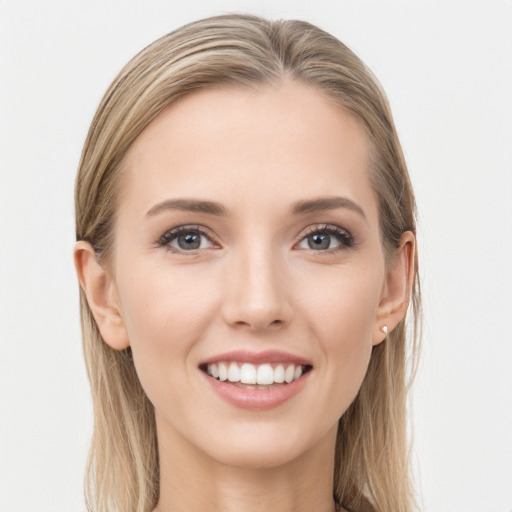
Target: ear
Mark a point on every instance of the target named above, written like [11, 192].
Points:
[396, 290]
[101, 293]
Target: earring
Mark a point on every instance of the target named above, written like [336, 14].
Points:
[384, 329]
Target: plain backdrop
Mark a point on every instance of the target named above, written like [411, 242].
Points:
[447, 69]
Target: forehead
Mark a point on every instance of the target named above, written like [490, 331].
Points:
[251, 148]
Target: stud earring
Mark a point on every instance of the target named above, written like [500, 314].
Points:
[384, 329]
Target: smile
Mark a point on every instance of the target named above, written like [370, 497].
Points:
[256, 386]
[256, 380]
[256, 375]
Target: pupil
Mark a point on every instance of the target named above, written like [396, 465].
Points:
[189, 241]
[319, 241]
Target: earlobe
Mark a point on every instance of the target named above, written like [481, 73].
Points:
[397, 289]
[101, 293]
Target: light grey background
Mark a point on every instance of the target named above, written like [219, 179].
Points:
[447, 69]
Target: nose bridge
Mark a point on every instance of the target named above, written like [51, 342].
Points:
[257, 290]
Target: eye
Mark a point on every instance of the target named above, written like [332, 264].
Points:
[326, 238]
[186, 239]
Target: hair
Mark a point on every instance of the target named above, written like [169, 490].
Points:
[372, 449]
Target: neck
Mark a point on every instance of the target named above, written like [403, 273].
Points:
[191, 481]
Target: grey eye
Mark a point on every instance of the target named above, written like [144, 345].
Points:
[319, 241]
[186, 240]
[189, 241]
[326, 238]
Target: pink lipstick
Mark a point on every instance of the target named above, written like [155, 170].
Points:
[256, 380]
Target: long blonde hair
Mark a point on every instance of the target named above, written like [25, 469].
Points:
[371, 459]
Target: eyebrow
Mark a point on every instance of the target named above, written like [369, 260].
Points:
[189, 205]
[321, 204]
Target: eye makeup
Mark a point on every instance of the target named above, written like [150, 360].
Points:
[187, 239]
[320, 238]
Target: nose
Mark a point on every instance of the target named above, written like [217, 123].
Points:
[256, 291]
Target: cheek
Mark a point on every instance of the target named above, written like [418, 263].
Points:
[342, 316]
[165, 314]
[344, 303]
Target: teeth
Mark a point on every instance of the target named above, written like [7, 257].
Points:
[265, 374]
[223, 372]
[279, 374]
[289, 373]
[248, 373]
[233, 373]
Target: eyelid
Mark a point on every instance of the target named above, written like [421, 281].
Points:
[343, 235]
[171, 235]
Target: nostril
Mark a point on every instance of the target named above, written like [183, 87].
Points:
[256, 300]
[260, 323]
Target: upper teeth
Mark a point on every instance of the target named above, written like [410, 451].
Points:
[248, 373]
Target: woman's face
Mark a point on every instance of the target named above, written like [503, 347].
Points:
[247, 243]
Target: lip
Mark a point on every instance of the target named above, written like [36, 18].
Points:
[267, 356]
[256, 399]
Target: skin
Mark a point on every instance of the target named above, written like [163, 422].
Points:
[253, 284]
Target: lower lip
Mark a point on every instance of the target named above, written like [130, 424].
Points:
[257, 399]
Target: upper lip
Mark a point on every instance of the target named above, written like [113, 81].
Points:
[267, 356]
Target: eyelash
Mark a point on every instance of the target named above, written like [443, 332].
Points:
[171, 235]
[343, 236]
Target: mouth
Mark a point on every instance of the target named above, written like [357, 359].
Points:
[256, 381]
[265, 376]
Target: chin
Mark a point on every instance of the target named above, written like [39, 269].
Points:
[255, 447]
[256, 457]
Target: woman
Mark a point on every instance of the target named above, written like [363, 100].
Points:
[246, 253]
